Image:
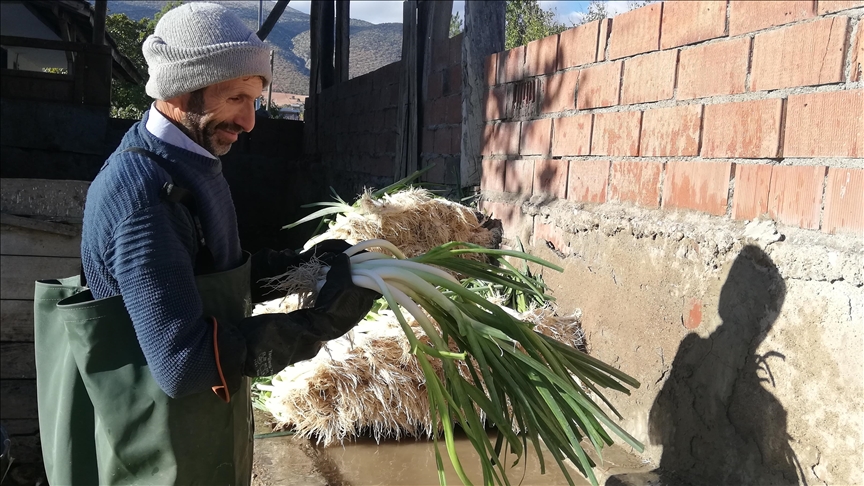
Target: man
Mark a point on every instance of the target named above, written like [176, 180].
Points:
[143, 379]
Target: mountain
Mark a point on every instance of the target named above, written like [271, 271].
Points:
[371, 45]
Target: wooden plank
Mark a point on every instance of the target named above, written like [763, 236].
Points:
[19, 399]
[24, 241]
[407, 126]
[16, 320]
[59, 236]
[54, 45]
[484, 36]
[343, 19]
[311, 115]
[100, 9]
[57, 200]
[17, 361]
[18, 274]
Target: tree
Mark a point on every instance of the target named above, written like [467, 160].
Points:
[455, 25]
[130, 100]
[598, 10]
[525, 21]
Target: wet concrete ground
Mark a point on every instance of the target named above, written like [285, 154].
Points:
[291, 461]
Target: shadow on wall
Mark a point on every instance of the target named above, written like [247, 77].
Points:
[715, 417]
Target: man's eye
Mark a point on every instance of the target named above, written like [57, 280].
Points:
[234, 99]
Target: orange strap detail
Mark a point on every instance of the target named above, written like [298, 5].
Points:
[220, 390]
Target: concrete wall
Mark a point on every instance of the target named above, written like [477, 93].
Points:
[356, 124]
[698, 169]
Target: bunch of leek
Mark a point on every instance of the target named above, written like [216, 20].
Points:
[528, 386]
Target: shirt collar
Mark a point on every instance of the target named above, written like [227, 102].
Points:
[163, 129]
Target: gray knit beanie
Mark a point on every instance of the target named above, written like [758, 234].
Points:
[199, 44]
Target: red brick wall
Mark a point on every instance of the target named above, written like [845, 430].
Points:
[357, 123]
[737, 111]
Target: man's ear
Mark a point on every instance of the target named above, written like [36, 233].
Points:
[180, 101]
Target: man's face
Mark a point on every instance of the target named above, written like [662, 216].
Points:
[216, 115]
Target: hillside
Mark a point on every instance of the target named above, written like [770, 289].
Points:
[371, 45]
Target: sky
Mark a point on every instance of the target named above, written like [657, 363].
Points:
[382, 11]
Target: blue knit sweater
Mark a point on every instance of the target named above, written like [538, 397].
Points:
[135, 245]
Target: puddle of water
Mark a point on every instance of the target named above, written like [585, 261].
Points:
[412, 463]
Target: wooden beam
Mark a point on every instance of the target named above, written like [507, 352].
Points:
[484, 36]
[268, 24]
[328, 40]
[343, 33]
[100, 10]
[407, 137]
[314, 47]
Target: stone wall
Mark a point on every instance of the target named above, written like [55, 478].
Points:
[698, 169]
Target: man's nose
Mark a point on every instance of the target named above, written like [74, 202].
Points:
[246, 118]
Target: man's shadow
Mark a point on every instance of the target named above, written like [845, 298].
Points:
[715, 416]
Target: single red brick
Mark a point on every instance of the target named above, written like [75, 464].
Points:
[456, 140]
[829, 6]
[494, 102]
[671, 131]
[550, 177]
[752, 182]
[844, 201]
[549, 234]
[578, 45]
[511, 65]
[541, 56]
[442, 140]
[456, 49]
[795, 197]
[452, 81]
[598, 86]
[490, 69]
[636, 31]
[587, 180]
[616, 133]
[703, 186]
[603, 38]
[536, 137]
[572, 135]
[749, 129]
[857, 70]
[435, 85]
[800, 55]
[719, 68]
[437, 112]
[510, 215]
[825, 125]
[690, 22]
[506, 138]
[428, 138]
[559, 92]
[635, 181]
[454, 109]
[492, 175]
[488, 144]
[750, 16]
[649, 78]
[519, 176]
[440, 56]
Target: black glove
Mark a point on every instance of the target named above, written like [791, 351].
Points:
[269, 263]
[275, 341]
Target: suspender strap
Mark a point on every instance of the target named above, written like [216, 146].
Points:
[170, 192]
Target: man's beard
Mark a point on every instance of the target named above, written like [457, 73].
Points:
[202, 128]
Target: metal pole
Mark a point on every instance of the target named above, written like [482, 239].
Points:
[270, 88]
[260, 13]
